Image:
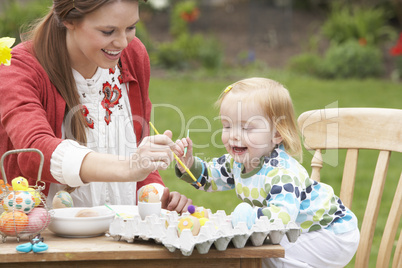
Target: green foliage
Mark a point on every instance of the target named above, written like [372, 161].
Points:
[169, 55]
[16, 15]
[142, 33]
[351, 59]
[346, 60]
[358, 23]
[210, 53]
[179, 25]
[306, 63]
[189, 51]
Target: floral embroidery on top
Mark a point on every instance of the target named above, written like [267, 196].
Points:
[111, 98]
[112, 93]
[85, 112]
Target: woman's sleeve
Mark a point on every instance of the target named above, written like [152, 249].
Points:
[66, 162]
[213, 176]
[29, 110]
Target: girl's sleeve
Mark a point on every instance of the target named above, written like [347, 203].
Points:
[283, 196]
[213, 176]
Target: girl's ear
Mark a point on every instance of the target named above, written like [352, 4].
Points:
[277, 138]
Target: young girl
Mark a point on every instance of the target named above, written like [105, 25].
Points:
[77, 90]
[261, 138]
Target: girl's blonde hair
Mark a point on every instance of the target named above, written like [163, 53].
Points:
[275, 101]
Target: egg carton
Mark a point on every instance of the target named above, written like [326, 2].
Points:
[217, 231]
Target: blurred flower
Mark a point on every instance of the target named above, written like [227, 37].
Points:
[5, 50]
[191, 15]
[159, 4]
[397, 49]
[362, 41]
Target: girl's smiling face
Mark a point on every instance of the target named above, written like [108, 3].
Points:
[247, 132]
[98, 39]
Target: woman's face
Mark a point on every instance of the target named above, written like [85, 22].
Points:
[98, 39]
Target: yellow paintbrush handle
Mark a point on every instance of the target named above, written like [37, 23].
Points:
[178, 159]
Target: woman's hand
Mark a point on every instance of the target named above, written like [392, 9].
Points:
[154, 153]
[175, 201]
[188, 158]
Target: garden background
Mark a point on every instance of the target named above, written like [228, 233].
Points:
[327, 53]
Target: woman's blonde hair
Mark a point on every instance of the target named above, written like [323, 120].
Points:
[48, 37]
[275, 101]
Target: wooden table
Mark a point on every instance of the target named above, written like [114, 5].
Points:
[103, 251]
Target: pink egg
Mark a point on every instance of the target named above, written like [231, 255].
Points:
[39, 219]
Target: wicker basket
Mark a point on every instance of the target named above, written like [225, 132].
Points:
[19, 217]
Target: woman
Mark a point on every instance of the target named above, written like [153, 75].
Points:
[77, 90]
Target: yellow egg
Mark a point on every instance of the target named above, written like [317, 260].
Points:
[203, 221]
[189, 222]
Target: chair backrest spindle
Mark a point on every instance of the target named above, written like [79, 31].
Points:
[355, 129]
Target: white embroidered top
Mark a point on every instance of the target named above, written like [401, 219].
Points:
[110, 130]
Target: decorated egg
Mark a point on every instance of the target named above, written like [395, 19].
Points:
[203, 221]
[36, 196]
[13, 223]
[62, 199]
[189, 222]
[19, 201]
[87, 212]
[198, 212]
[21, 184]
[4, 187]
[38, 219]
[148, 194]
[244, 212]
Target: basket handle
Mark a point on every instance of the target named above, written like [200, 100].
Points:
[42, 159]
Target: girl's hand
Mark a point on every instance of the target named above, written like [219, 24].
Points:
[188, 158]
[174, 201]
[154, 153]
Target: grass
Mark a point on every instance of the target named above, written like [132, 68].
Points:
[183, 101]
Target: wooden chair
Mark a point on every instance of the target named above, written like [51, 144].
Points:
[354, 129]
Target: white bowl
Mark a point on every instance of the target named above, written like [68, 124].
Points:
[64, 223]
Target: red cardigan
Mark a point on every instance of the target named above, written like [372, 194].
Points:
[32, 110]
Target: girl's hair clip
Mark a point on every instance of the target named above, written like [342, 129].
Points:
[228, 88]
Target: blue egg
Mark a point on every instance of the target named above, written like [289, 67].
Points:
[244, 212]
